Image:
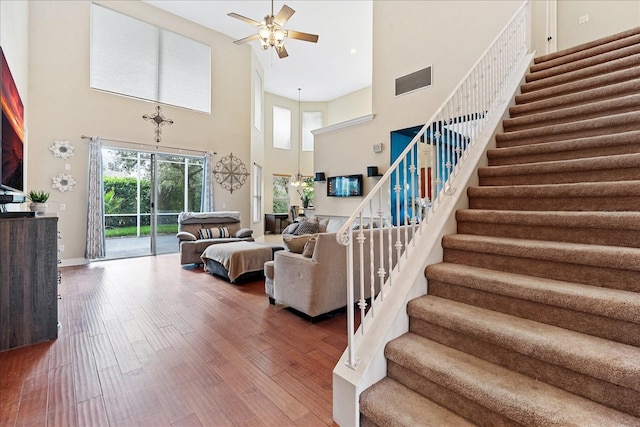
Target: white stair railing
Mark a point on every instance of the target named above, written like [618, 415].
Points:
[380, 234]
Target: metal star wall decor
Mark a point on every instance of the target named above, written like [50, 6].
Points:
[159, 121]
[230, 173]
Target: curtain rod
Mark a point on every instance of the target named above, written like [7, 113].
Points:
[148, 145]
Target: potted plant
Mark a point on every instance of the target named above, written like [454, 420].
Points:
[38, 201]
[306, 197]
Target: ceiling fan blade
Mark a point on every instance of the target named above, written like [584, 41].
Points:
[282, 52]
[247, 39]
[313, 38]
[283, 16]
[244, 18]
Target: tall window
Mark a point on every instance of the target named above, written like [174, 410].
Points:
[257, 193]
[133, 58]
[281, 193]
[257, 102]
[311, 120]
[281, 128]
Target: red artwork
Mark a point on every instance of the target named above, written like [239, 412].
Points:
[12, 129]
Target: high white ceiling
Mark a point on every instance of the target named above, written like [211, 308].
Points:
[338, 64]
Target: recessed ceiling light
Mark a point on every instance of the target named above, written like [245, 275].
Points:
[353, 50]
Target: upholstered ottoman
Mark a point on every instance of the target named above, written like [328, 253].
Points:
[268, 281]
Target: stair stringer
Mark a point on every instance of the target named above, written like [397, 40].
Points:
[391, 318]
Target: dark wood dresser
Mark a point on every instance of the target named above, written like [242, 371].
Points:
[28, 280]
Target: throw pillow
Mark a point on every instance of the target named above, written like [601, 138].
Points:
[213, 233]
[322, 225]
[244, 232]
[306, 227]
[295, 244]
[291, 228]
[309, 247]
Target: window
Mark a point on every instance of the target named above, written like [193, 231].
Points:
[257, 102]
[133, 58]
[257, 193]
[311, 120]
[281, 128]
[281, 193]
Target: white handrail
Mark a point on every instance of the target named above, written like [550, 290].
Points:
[404, 199]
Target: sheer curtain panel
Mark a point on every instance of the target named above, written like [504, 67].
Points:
[95, 216]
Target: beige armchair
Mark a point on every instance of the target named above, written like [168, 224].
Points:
[317, 285]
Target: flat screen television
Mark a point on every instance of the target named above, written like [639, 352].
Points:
[12, 131]
[344, 186]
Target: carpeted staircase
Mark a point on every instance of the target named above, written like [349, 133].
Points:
[533, 318]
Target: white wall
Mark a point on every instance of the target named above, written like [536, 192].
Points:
[63, 107]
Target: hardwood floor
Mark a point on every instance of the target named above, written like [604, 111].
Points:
[147, 342]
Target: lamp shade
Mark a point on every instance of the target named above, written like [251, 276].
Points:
[320, 177]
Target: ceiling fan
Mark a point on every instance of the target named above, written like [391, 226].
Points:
[270, 31]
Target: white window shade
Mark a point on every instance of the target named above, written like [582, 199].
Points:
[311, 120]
[281, 127]
[133, 58]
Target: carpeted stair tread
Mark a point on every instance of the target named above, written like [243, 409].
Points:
[598, 81]
[603, 58]
[612, 303]
[586, 46]
[588, 52]
[615, 123]
[619, 143]
[588, 255]
[407, 408]
[582, 189]
[605, 168]
[569, 100]
[501, 390]
[597, 357]
[582, 73]
[599, 228]
[594, 109]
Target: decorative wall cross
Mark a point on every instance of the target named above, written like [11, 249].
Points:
[159, 120]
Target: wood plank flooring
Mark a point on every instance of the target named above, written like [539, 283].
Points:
[147, 342]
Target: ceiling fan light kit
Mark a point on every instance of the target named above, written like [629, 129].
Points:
[271, 32]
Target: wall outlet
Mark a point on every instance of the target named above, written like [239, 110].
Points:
[63, 206]
[583, 19]
[377, 148]
[61, 248]
[67, 166]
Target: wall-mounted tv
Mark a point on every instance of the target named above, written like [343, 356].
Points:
[12, 131]
[344, 186]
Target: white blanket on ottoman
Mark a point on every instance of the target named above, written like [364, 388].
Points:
[238, 257]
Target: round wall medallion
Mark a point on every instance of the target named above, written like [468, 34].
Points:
[63, 182]
[62, 149]
[230, 173]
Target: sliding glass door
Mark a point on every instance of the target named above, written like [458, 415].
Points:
[143, 194]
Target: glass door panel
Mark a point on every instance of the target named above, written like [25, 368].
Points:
[144, 193]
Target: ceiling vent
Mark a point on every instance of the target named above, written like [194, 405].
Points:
[414, 81]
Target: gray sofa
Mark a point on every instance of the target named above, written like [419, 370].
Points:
[316, 284]
[191, 225]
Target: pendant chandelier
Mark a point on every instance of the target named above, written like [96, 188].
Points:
[297, 181]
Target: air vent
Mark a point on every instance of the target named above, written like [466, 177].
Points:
[413, 81]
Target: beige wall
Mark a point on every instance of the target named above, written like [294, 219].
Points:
[605, 18]
[285, 162]
[431, 32]
[355, 104]
[63, 107]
